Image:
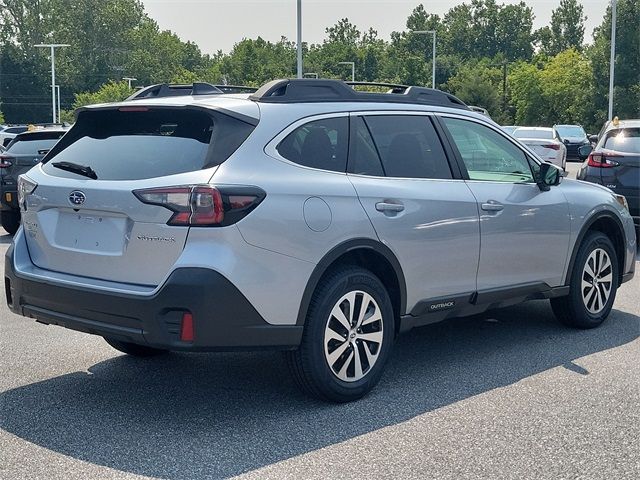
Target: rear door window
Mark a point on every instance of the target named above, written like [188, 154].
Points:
[408, 146]
[134, 144]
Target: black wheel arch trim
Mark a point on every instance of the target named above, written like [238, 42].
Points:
[338, 251]
[583, 231]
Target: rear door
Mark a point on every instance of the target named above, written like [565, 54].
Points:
[524, 231]
[97, 227]
[428, 218]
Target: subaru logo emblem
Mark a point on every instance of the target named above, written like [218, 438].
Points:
[77, 197]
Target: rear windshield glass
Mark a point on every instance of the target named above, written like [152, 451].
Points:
[34, 143]
[530, 133]
[570, 131]
[623, 140]
[147, 143]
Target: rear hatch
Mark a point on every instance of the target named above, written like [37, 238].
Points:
[83, 218]
[620, 169]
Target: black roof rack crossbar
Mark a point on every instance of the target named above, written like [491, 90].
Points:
[167, 90]
[236, 88]
[311, 90]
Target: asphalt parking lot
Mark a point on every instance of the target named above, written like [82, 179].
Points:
[509, 394]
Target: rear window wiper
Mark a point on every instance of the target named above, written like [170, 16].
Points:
[83, 170]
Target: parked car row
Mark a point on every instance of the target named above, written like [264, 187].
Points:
[307, 217]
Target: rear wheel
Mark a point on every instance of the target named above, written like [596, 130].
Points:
[134, 349]
[347, 339]
[10, 221]
[593, 285]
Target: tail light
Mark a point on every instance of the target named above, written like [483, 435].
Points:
[602, 160]
[552, 146]
[6, 161]
[25, 188]
[203, 205]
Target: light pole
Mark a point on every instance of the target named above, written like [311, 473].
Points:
[53, 47]
[433, 59]
[612, 60]
[353, 69]
[58, 95]
[129, 79]
[299, 54]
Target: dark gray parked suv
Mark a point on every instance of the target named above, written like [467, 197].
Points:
[615, 162]
[306, 217]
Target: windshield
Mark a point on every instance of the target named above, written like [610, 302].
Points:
[571, 131]
[546, 134]
[623, 140]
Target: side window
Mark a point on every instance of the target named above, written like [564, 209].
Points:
[318, 144]
[487, 154]
[408, 146]
[363, 155]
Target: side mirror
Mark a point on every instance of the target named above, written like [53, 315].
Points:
[593, 138]
[584, 151]
[566, 142]
[548, 176]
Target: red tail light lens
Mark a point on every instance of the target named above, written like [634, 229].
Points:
[203, 205]
[601, 160]
[552, 146]
[6, 161]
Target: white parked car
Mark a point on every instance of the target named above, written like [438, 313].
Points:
[8, 133]
[545, 142]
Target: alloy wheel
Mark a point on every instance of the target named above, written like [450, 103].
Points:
[597, 280]
[353, 336]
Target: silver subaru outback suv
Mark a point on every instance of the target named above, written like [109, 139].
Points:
[308, 217]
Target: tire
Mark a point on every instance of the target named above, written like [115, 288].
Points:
[325, 365]
[10, 221]
[134, 349]
[589, 304]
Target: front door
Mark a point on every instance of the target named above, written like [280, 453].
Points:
[524, 231]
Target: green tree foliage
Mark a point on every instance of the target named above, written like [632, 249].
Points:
[566, 29]
[477, 41]
[627, 63]
[1, 117]
[109, 92]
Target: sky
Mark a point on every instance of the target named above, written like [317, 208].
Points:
[218, 24]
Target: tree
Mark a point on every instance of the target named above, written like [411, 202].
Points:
[566, 29]
[526, 94]
[627, 64]
[107, 93]
[1, 117]
[477, 85]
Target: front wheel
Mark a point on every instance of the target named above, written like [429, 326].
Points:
[348, 336]
[593, 284]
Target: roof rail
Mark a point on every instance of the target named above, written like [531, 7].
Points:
[306, 90]
[236, 88]
[168, 90]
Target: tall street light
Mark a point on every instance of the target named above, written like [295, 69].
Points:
[433, 59]
[299, 60]
[612, 60]
[353, 69]
[58, 95]
[53, 47]
[129, 79]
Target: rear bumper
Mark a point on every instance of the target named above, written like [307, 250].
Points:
[223, 318]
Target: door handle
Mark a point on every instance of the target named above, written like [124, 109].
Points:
[492, 206]
[389, 207]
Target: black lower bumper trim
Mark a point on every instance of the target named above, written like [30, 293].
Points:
[223, 318]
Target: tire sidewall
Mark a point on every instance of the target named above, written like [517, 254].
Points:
[350, 280]
[592, 242]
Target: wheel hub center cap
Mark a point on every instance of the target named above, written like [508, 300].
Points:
[353, 335]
